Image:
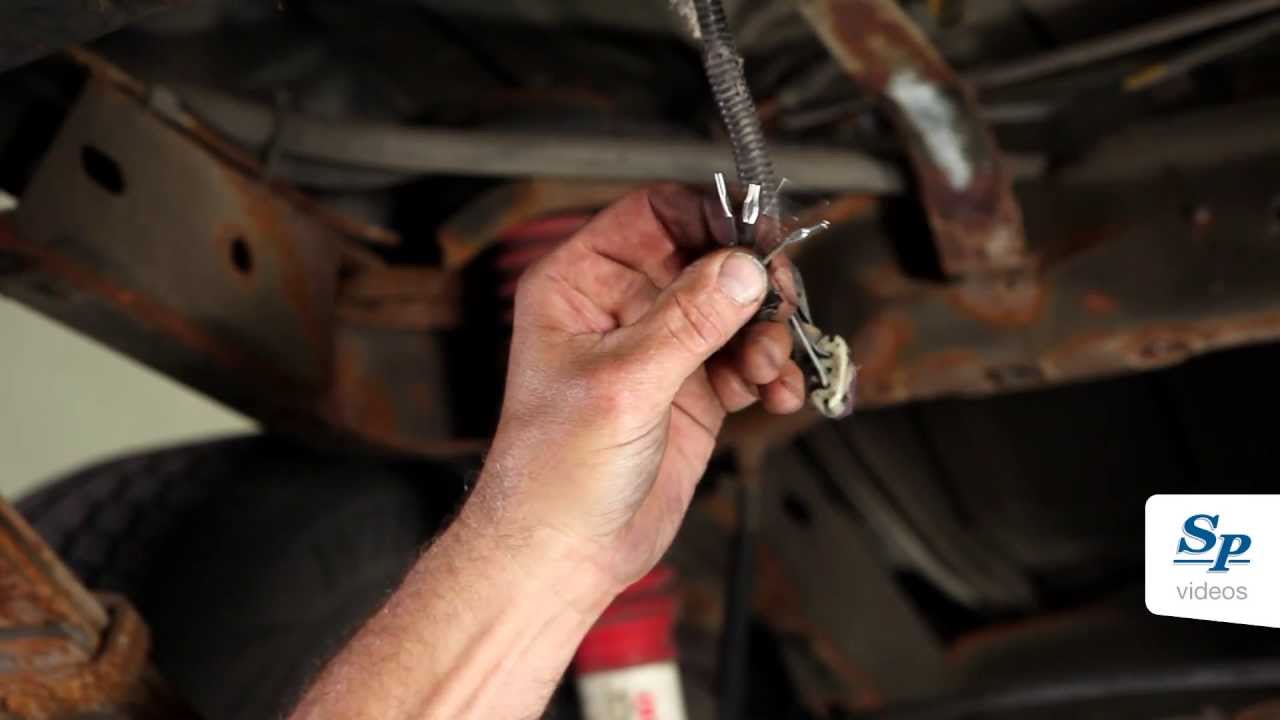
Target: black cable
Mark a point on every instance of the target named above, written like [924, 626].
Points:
[738, 110]
[1035, 25]
[735, 637]
[1106, 47]
[410, 151]
[453, 33]
[1024, 700]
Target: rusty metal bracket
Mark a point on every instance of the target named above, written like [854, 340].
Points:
[963, 179]
[64, 652]
[138, 233]
[135, 202]
[38, 593]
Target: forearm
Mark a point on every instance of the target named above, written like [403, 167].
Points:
[483, 626]
[618, 382]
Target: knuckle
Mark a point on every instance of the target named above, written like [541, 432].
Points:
[692, 326]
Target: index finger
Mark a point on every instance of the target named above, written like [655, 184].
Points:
[656, 232]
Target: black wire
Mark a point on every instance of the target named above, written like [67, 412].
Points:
[1024, 700]
[457, 36]
[735, 638]
[1035, 25]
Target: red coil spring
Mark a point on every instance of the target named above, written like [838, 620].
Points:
[525, 244]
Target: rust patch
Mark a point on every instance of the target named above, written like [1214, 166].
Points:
[1158, 349]
[878, 346]
[421, 396]
[361, 400]
[1079, 242]
[840, 210]
[1101, 352]
[148, 312]
[989, 639]
[886, 281]
[402, 282]
[701, 604]
[877, 349]
[1096, 302]
[1008, 300]
[409, 314]
[401, 298]
[273, 224]
[777, 600]
[103, 681]
[945, 362]
[862, 693]
[214, 142]
[1265, 710]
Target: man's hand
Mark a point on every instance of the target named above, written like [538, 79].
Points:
[619, 381]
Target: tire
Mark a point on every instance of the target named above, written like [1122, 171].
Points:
[252, 559]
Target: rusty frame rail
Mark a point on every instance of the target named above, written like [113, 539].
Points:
[328, 343]
[1133, 273]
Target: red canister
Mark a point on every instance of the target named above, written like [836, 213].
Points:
[626, 666]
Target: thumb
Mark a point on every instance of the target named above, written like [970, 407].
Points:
[695, 316]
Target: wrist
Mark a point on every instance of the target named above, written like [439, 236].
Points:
[486, 622]
[541, 560]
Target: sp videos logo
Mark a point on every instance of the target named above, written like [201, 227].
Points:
[1206, 558]
[1202, 545]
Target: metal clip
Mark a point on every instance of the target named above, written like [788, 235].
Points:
[750, 214]
[832, 369]
[795, 237]
[722, 191]
[811, 351]
[751, 206]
